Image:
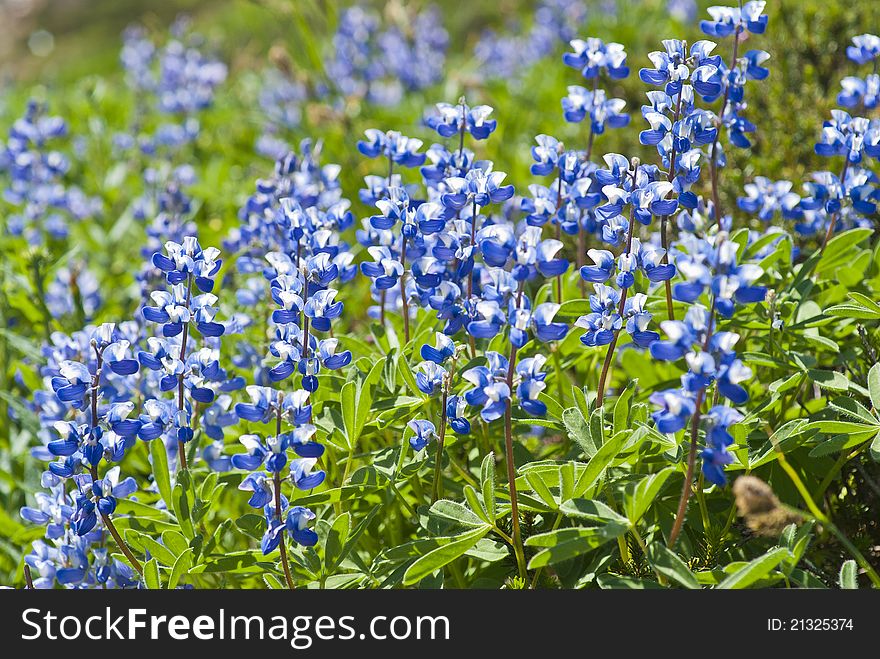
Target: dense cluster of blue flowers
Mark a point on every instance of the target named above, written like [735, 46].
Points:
[447, 241]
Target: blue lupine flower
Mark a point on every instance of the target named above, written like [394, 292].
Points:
[749, 17]
[546, 154]
[302, 476]
[864, 91]
[423, 432]
[429, 376]
[678, 407]
[455, 408]
[296, 524]
[603, 322]
[261, 488]
[376, 62]
[582, 102]
[451, 120]
[672, 68]
[592, 56]
[766, 198]
[718, 438]
[844, 135]
[477, 187]
[392, 145]
[865, 48]
[443, 349]
[637, 321]
[489, 390]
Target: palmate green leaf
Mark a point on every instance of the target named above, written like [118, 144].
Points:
[151, 575]
[754, 570]
[874, 449]
[161, 474]
[598, 463]
[455, 547]
[668, 563]
[639, 496]
[355, 535]
[848, 578]
[564, 544]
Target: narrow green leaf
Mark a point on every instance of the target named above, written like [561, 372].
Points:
[355, 535]
[539, 487]
[563, 544]
[865, 301]
[849, 575]
[831, 380]
[473, 500]
[579, 431]
[487, 482]
[336, 539]
[874, 386]
[151, 575]
[623, 406]
[181, 568]
[182, 510]
[456, 512]
[160, 552]
[754, 570]
[668, 563]
[597, 464]
[592, 510]
[852, 311]
[640, 496]
[160, 470]
[443, 555]
[348, 402]
[175, 542]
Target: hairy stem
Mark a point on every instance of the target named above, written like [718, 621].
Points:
[834, 216]
[181, 448]
[511, 467]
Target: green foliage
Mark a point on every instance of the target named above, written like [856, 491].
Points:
[598, 485]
